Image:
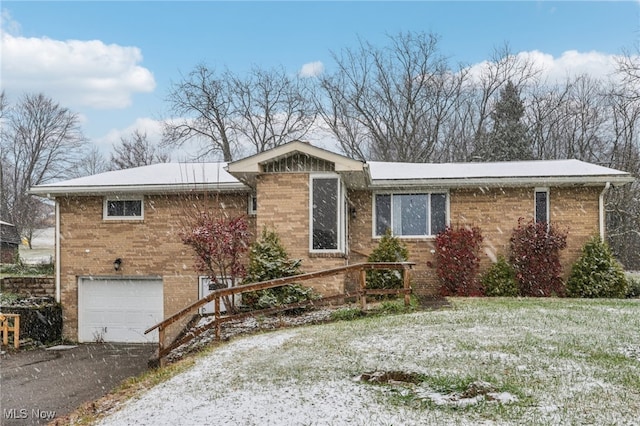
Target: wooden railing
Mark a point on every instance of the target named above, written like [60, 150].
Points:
[5, 329]
[217, 295]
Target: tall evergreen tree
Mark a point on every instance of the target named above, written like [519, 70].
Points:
[508, 139]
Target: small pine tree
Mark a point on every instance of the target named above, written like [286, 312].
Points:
[500, 279]
[597, 273]
[268, 259]
[389, 249]
[508, 139]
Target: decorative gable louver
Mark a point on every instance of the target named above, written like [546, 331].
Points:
[298, 162]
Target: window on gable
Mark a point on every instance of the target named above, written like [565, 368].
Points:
[420, 214]
[326, 214]
[542, 205]
[115, 208]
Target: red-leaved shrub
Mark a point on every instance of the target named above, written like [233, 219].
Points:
[457, 261]
[219, 245]
[535, 257]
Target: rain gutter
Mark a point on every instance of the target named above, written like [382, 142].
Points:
[57, 251]
[53, 190]
[601, 210]
[500, 181]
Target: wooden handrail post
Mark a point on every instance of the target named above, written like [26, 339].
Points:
[161, 345]
[407, 285]
[363, 289]
[217, 316]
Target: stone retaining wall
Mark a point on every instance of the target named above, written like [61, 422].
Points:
[29, 286]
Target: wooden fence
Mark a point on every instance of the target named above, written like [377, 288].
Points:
[217, 295]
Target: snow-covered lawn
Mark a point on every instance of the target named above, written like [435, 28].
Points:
[484, 361]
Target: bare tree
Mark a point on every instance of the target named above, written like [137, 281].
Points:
[39, 146]
[270, 108]
[136, 151]
[91, 163]
[228, 112]
[389, 103]
[4, 161]
[202, 102]
[629, 71]
[623, 208]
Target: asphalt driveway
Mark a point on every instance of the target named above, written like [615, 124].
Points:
[37, 386]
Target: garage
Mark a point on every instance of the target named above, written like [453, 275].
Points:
[119, 309]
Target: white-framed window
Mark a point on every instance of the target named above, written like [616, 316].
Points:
[123, 208]
[541, 205]
[252, 208]
[327, 224]
[421, 214]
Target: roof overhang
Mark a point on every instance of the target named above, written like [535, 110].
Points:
[496, 182]
[54, 191]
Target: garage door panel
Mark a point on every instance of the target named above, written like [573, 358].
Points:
[119, 310]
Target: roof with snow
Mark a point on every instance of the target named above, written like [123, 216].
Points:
[163, 177]
[552, 172]
[237, 176]
[9, 234]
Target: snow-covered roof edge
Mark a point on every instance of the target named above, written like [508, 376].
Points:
[185, 177]
[155, 178]
[551, 172]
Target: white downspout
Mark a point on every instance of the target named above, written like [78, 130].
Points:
[601, 209]
[57, 251]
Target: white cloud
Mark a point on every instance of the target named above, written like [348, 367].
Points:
[152, 128]
[570, 64]
[312, 69]
[74, 72]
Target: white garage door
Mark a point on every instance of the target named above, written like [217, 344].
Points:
[119, 310]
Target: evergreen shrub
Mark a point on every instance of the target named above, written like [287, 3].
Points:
[389, 249]
[500, 279]
[597, 273]
[268, 259]
[633, 291]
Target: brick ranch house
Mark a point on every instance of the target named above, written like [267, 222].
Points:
[121, 266]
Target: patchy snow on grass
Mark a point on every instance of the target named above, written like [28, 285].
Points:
[485, 361]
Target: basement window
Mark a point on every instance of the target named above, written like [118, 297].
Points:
[123, 209]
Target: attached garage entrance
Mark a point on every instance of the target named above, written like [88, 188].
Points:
[119, 309]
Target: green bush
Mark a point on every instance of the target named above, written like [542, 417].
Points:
[346, 314]
[397, 306]
[633, 291]
[268, 260]
[500, 279]
[389, 249]
[596, 273]
[22, 269]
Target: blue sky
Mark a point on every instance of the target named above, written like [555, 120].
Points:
[113, 61]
